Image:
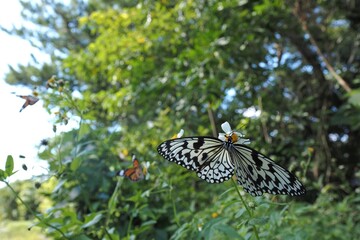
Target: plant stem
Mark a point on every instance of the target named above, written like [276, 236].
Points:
[32, 212]
[212, 120]
[174, 207]
[111, 206]
[246, 207]
[129, 226]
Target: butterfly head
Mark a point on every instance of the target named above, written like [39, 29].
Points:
[231, 136]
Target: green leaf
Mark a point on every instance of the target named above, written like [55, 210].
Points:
[59, 185]
[240, 212]
[181, 231]
[84, 130]
[210, 226]
[259, 221]
[95, 218]
[9, 167]
[45, 155]
[75, 164]
[81, 237]
[114, 199]
[228, 230]
[232, 202]
[355, 97]
[2, 175]
[151, 222]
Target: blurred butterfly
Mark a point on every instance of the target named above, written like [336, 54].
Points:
[44, 142]
[135, 173]
[30, 100]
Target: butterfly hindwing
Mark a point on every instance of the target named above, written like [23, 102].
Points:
[218, 166]
[258, 174]
[205, 155]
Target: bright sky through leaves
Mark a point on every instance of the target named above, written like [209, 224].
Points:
[20, 132]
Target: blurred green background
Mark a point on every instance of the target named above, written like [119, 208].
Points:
[133, 73]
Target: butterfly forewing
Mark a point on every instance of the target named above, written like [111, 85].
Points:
[204, 155]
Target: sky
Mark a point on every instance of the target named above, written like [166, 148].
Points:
[20, 133]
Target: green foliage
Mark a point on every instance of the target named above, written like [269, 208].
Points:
[327, 218]
[9, 168]
[13, 209]
[131, 75]
[16, 230]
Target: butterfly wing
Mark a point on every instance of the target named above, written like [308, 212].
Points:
[135, 173]
[24, 106]
[30, 100]
[136, 163]
[139, 174]
[258, 173]
[205, 155]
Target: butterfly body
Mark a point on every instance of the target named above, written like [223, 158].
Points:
[231, 138]
[216, 160]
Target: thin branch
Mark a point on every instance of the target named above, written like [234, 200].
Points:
[338, 78]
[33, 213]
[263, 122]
[212, 120]
[302, 18]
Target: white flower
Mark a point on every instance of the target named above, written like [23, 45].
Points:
[226, 128]
[179, 135]
[235, 137]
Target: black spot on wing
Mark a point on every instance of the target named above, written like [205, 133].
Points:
[199, 143]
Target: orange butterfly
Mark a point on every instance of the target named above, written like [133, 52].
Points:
[30, 100]
[135, 173]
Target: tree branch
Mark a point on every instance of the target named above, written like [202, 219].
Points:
[302, 18]
[212, 120]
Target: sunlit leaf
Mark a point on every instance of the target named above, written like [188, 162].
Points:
[2, 175]
[75, 163]
[9, 167]
[84, 130]
[355, 97]
[93, 219]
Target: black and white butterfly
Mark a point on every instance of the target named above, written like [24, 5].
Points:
[217, 159]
